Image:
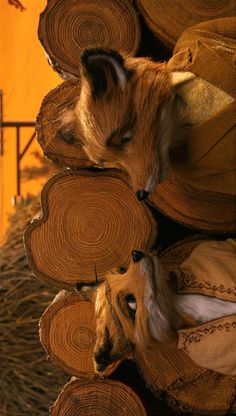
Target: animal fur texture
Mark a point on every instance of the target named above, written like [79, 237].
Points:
[141, 308]
[132, 113]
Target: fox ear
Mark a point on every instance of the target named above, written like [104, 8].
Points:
[178, 78]
[104, 69]
[88, 292]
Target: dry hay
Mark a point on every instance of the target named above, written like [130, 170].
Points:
[28, 383]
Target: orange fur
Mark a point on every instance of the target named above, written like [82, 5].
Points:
[114, 317]
[141, 308]
[145, 108]
[142, 107]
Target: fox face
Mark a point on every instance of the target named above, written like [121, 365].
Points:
[125, 116]
[132, 310]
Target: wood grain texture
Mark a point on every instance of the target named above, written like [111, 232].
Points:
[98, 398]
[65, 149]
[90, 224]
[68, 27]
[209, 211]
[168, 19]
[68, 334]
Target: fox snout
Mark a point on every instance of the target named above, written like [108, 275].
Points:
[109, 350]
[102, 355]
[101, 359]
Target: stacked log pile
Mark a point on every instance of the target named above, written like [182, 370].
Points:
[91, 221]
[100, 221]
[168, 19]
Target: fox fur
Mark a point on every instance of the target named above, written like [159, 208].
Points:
[141, 308]
[133, 113]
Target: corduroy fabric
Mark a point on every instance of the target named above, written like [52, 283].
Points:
[209, 51]
[187, 386]
[210, 271]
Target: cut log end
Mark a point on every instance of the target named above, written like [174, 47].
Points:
[92, 222]
[67, 28]
[98, 398]
[68, 334]
[192, 207]
[168, 19]
[54, 133]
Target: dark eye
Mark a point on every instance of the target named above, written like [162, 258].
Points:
[118, 141]
[69, 137]
[126, 138]
[122, 270]
[66, 136]
[131, 302]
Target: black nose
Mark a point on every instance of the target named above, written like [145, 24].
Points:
[137, 255]
[142, 194]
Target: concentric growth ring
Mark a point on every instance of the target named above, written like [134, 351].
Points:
[68, 27]
[168, 19]
[97, 398]
[68, 334]
[92, 222]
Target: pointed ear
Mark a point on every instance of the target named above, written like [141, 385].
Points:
[178, 78]
[88, 292]
[104, 69]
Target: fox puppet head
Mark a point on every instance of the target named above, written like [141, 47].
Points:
[132, 308]
[126, 116]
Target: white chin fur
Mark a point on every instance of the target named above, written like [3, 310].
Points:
[153, 180]
[163, 303]
[203, 308]
[158, 304]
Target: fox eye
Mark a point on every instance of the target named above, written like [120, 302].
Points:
[131, 302]
[117, 140]
[126, 138]
[122, 270]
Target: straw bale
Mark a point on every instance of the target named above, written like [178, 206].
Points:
[28, 383]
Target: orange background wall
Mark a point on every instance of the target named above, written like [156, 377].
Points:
[25, 78]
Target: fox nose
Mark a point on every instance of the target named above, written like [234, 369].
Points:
[137, 255]
[101, 360]
[142, 194]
